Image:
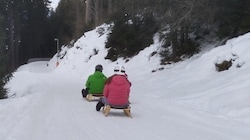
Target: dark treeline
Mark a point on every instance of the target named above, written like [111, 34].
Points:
[24, 33]
[28, 28]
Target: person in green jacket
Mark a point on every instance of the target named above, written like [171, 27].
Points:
[95, 82]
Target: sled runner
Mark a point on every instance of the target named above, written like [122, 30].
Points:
[126, 110]
[91, 97]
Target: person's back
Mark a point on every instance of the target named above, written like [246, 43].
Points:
[95, 82]
[117, 90]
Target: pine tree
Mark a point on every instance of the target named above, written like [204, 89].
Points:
[3, 57]
[34, 23]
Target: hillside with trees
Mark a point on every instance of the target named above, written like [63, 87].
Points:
[182, 24]
[28, 28]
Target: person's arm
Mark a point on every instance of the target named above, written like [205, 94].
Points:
[128, 89]
[106, 90]
[88, 83]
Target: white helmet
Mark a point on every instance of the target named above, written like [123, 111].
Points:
[120, 70]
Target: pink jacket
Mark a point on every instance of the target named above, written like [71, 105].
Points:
[117, 90]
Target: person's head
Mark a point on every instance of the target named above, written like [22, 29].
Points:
[98, 68]
[120, 70]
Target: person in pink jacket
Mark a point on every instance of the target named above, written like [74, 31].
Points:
[116, 90]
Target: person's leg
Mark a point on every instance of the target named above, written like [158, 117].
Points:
[101, 103]
[104, 100]
[84, 92]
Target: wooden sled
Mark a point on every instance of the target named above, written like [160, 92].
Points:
[126, 110]
[91, 97]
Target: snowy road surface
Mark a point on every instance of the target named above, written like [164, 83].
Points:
[56, 111]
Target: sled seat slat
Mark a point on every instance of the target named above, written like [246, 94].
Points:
[126, 110]
[91, 97]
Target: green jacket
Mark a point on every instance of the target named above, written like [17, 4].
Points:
[95, 83]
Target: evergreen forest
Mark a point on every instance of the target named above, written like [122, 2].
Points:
[31, 29]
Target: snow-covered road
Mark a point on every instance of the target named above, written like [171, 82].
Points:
[55, 110]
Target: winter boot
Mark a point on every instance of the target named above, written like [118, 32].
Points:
[99, 105]
[84, 93]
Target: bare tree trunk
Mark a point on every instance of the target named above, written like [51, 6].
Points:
[11, 40]
[77, 23]
[97, 11]
[88, 11]
[101, 11]
[79, 18]
[110, 7]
